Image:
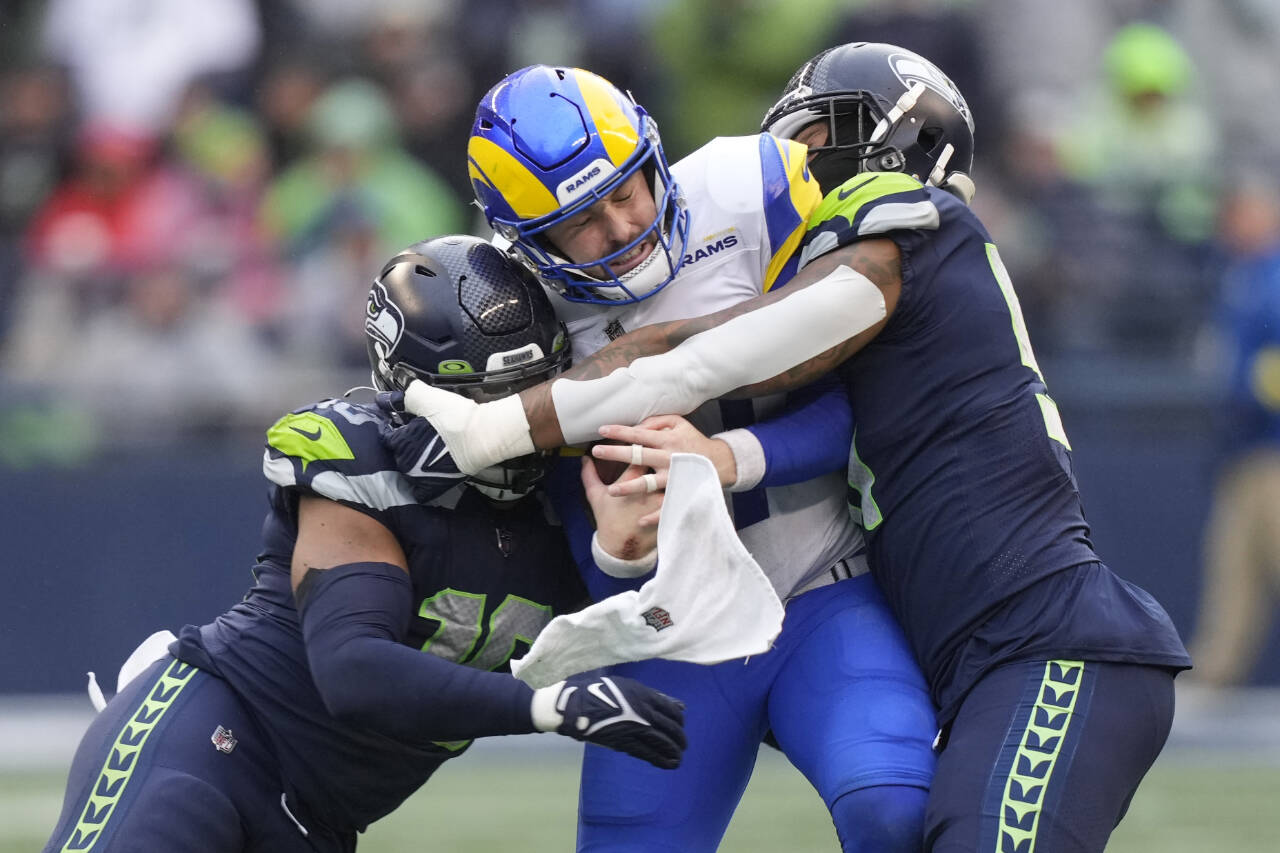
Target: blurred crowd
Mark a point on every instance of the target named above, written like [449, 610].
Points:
[194, 196]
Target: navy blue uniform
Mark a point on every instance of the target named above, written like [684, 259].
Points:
[485, 581]
[960, 472]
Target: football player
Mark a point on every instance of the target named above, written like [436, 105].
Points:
[1053, 676]
[571, 173]
[374, 643]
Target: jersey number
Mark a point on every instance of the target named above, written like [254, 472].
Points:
[865, 510]
[460, 614]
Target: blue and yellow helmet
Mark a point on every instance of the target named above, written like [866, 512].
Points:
[549, 142]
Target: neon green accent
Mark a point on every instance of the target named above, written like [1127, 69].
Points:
[862, 479]
[1037, 755]
[455, 366]
[1053, 420]
[308, 436]
[1145, 58]
[505, 630]
[453, 745]
[859, 190]
[1049, 409]
[459, 615]
[1015, 309]
[109, 789]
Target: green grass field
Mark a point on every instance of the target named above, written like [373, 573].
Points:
[486, 803]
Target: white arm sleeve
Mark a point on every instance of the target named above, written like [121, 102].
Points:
[749, 348]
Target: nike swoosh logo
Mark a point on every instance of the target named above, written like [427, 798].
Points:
[596, 689]
[843, 194]
[314, 436]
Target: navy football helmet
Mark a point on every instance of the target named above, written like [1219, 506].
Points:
[458, 313]
[887, 110]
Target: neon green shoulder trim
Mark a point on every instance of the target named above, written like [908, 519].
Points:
[848, 198]
[310, 437]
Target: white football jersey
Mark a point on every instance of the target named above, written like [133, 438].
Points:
[748, 199]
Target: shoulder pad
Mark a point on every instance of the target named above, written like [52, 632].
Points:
[333, 449]
[869, 204]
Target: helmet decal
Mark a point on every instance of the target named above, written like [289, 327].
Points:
[458, 313]
[910, 68]
[547, 143]
[384, 321]
[496, 167]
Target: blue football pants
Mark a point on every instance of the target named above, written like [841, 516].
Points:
[844, 700]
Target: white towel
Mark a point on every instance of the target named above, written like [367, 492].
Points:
[708, 602]
[148, 652]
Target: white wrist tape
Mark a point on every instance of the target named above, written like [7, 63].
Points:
[616, 567]
[748, 348]
[478, 435]
[748, 456]
[546, 717]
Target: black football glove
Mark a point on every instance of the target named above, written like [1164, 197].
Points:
[617, 712]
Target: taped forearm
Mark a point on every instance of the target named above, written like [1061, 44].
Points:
[746, 349]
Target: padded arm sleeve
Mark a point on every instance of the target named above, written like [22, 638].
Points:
[354, 619]
[746, 349]
[810, 438]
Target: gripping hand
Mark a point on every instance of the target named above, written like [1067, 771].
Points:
[479, 435]
[420, 454]
[616, 712]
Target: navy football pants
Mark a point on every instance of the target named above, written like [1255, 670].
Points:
[1046, 755]
[148, 777]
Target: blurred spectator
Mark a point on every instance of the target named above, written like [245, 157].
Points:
[131, 60]
[289, 88]
[358, 195]
[1236, 47]
[357, 159]
[1242, 544]
[725, 62]
[225, 149]
[1144, 148]
[35, 129]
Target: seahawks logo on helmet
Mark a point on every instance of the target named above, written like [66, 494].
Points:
[910, 69]
[384, 321]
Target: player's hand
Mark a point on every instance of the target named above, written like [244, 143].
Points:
[419, 452]
[627, 525]
[616, 712]
[651, 443]
[478, 435]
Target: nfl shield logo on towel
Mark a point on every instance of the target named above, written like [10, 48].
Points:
[657, 618]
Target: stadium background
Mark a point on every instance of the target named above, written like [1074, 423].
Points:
[194, 196]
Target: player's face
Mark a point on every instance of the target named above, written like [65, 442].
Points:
[814, 135]
[609, 225]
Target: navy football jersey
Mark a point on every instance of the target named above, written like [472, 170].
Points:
[960, 469]
[485, 579]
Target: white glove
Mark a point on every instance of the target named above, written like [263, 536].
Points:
[478, 435]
